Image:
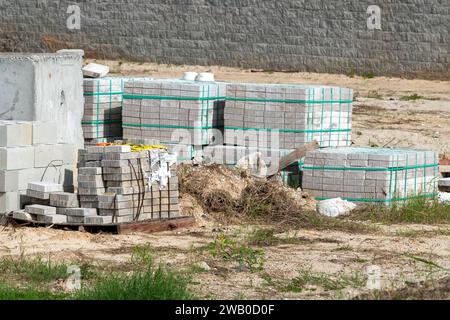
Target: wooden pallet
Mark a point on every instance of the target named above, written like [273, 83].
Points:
[149, 226]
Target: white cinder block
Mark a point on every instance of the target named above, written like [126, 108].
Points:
[14, 158]
[45, 186]
[44, 132]
[15, 133]
[46, 153]
[9, 201]
[9, 180]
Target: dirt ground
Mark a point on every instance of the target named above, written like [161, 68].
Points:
[405, 254]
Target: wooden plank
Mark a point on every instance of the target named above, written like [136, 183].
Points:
[295, 155]
[157, 226]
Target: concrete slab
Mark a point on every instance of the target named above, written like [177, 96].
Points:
[45, 186]
[40, 209]
[44, 87]
[14, 158]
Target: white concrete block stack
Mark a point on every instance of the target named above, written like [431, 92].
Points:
[173, 111]
[285, 116]
[29, 152]
[371, 175]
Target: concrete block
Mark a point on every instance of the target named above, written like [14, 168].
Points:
[15, 133]
[9, 180]
[46, 153]
[44, 87]
[90, 171]
[44, 132]
[56, 218]
[45, 186]
[81, 212]
[75, 219]
[14, 158]
[117, 149]
[23, 215]
[98, 220]
[40, 209]
[9, 201]
[38, 194]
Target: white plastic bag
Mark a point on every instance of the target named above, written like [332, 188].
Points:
[335, 207]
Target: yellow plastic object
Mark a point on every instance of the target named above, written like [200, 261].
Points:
[134, 147]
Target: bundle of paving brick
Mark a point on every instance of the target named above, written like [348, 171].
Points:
[129, 186]
[29, 152]
[174, 111]
[371, 175]
[284, 116]
[103, 99]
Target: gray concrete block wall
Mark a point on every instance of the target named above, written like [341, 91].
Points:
[307, 35]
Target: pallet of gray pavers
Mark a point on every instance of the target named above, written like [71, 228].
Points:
[287, 116]
[173, 111]
[103, 223]
[371, 175]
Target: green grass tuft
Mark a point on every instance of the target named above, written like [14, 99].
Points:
[152, 284]
[418, 210]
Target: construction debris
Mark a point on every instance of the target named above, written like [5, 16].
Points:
[335, 207]
[95, 70]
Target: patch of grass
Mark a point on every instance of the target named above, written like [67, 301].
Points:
[308, 278]
[8, 292]
[417, 210]
[373, 144]
[266, 237]
[343, 248]
[374, 95]
[36, 270]
[415, 96]
[368, 75]
[412, 97]
[151, 284]
[229, 250]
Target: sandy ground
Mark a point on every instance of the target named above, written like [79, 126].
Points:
[337, 254]
[381, 120]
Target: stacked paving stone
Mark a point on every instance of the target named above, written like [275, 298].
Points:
[103, 100]
[29, 152]
[372, 175]
[286, 116]
[139, 185]
[173, 111]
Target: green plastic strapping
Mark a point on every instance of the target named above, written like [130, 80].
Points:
[141, 97]
[166, 126]
[393, 169]
[293, 101]
[286, 130]
[102, 122]
[428, 195]
[97, 94]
